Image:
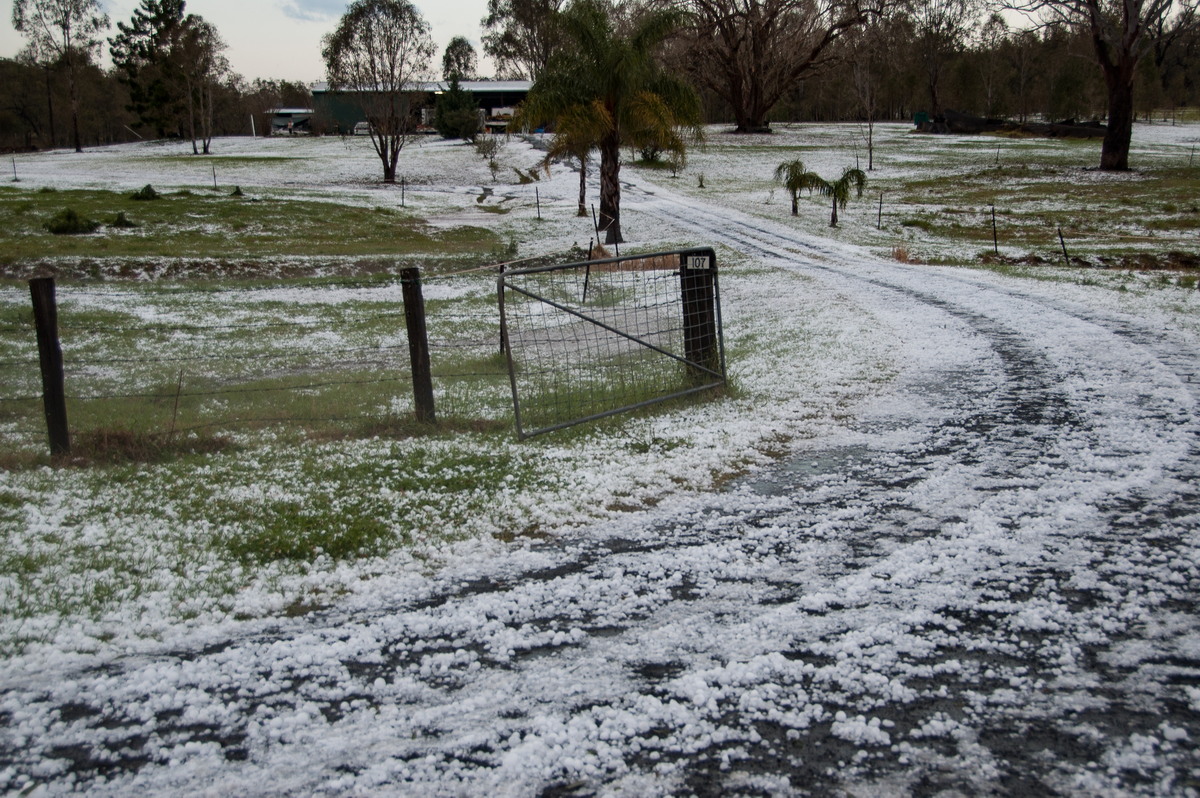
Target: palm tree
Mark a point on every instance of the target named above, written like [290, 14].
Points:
[575, 137]
[796, 179]
[605, 87]
[839, 190]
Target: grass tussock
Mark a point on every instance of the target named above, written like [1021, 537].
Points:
[69, 222]
[122, 222]
[118, 446]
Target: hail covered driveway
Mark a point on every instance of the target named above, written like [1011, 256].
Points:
[984, 582]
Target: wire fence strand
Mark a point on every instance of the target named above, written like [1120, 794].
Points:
[238, 372]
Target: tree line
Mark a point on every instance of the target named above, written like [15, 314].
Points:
[747, 63]
[170, 78]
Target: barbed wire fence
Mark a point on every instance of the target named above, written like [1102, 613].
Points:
[174, 362]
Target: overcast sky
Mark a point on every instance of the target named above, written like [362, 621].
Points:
[281, 38]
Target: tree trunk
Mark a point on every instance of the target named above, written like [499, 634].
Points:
[935, 100]
[795, 204]
[610, 189]
[1114, 154]
[582, 187]
[206, 117]
[74, 88]
[191, 109]
[749, 112]
[870, 143]
[50, 106]
[750, 119]
[833, 216]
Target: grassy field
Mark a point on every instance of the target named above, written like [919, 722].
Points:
[215, 225]
[938, 193]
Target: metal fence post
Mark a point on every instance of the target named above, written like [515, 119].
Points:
[697, 275]
[418, 344]
[54, 395]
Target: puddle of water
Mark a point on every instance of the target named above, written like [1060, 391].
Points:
[788, 475]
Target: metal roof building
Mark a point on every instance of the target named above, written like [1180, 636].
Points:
[339, 113]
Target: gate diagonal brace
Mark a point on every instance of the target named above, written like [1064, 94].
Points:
[698, 309]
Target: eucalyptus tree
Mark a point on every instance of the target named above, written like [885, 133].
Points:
[173, 63]
[871, 50]
[201, 51]
[1122, 33]
[943, 29]
[795, 178]
[379, 52]
[521, 35]
[606, 85]
[67, 31]
[990, 67]
[750, 53]
[459, 61]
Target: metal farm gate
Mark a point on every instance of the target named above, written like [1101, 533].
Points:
[592, 339]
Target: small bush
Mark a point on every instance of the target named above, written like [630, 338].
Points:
[902, 255]
[487, 147]
[525, 178]
[68, 222]
[237, 192]
[122, 221]
[47, 190]
[147, 193]
[650, 153]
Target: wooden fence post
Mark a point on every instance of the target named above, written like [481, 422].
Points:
[418, 344]
[995, 236]
[54, 395]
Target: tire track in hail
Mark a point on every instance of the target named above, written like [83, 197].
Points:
[1139, 529]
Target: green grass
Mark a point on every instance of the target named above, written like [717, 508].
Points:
[1119, 214]
[215, 225]
[193, 528]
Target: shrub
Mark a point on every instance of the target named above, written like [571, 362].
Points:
[68, 222]
[526, 178]
[147, 193]
[650, 153]
[488, 147]
[122, 221]
[237, 192]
